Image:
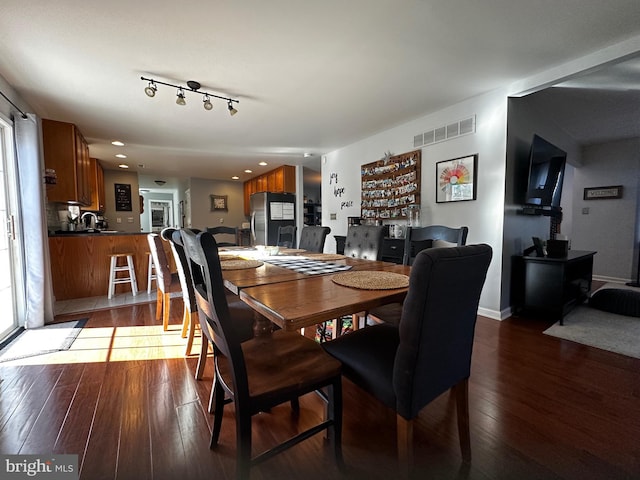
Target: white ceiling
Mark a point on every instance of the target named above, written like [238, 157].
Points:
[310, 76]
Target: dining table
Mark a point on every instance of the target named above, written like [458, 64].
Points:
[293, 300]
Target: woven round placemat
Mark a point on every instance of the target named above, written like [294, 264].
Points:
[325, 256]
[291, 251]
[229, 258]
[240, 264]
[371, 280]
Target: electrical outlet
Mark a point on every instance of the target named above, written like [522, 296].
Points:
[129, 219]
[222, 220]
[585, 211]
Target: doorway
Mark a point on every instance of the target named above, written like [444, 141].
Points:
[11, 278]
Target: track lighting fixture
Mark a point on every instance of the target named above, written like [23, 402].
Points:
[180, 100]
[206, 103]
[151, 89]
[232, 111]
[192, 86]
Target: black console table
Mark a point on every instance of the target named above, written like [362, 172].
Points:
[552, 285]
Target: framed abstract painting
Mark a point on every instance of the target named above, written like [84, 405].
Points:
[456, 179]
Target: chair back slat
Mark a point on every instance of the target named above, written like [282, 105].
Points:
[419, 238]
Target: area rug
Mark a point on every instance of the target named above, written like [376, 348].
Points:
[38, 341]
[604, 330]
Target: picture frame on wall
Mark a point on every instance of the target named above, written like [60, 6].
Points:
[456, 179]
[219, 203]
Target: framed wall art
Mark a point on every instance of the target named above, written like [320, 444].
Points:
[219, 203]
[599, 193]
[390, 185]
[456, 179]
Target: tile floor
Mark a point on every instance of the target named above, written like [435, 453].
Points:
[88, 304]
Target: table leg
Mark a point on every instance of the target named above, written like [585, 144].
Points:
[261, 325]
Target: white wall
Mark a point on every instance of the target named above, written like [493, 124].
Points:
[610, 225]
[484, 216]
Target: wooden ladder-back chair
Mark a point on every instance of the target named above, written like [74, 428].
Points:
[242, 313]
[167, 282]
[262, 372]
[429, 352]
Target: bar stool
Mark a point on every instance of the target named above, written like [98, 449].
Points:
[151, 272]
[115, 268]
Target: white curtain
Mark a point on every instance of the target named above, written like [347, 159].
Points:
[38, 288]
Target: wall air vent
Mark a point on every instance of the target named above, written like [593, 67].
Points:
[462, 127]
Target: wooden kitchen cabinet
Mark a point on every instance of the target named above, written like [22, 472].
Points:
[67, 152]
[279, 180]
[96, 183]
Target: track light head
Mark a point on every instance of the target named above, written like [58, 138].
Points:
[232, 111]
[180, 100]
[206, 103]
[151, 89]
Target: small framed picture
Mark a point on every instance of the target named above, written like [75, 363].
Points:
[600, 193]
[456, 179]
[219, 202]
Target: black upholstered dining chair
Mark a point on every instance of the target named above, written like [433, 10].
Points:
[419, 238]
[287, 236]
[416, 240]
[407, 366]
[225, 232]
[312, 238]
[262, 372]
[242, 313]
[364, 241]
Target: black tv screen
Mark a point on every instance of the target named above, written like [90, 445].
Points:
[546, 172]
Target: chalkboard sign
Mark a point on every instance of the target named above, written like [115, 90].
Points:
[123, 197]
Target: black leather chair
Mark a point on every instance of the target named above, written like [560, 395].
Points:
[262, 372]
[312, 238]
[226, 231]
[429, 352]
[364, 241]
[287, 236]
[419, 238]
[242, 313]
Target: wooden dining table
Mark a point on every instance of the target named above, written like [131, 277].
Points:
[293, 300]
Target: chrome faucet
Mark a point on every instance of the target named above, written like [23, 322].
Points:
[89, 219]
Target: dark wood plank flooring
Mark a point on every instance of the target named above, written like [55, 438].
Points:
[126, 402]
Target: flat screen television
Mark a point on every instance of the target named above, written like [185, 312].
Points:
[546, 172]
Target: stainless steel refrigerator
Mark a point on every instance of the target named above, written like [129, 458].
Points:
[268, 212]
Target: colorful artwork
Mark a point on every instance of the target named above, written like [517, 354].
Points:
[456, 179]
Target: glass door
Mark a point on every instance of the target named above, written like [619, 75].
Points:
[10, 264]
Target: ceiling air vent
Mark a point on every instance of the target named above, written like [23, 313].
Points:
[450, 131]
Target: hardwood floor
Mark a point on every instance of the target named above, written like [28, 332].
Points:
[124, 399]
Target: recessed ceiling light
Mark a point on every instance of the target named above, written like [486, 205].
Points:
[235, 177]
[121, 155]
[117, 143]
[123, 165]
[248, 171]
[262, 164]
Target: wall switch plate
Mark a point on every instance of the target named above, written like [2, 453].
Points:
[222, 220]
[118, 220]
[333, 216]
[585, 211]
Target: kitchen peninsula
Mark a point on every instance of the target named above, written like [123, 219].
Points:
[80, 262]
